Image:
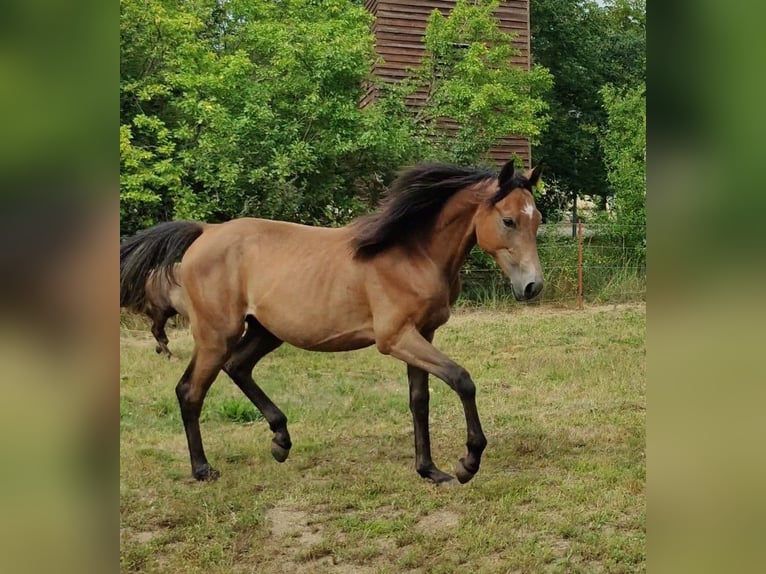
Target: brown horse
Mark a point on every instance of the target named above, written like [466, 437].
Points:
[161, 299]
[387, 279]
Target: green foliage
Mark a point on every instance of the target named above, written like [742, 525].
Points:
[251, 108]
[237, 411]
[145, 173]
[240, 108]
[624, 143]
[472, 93]
[585, 45]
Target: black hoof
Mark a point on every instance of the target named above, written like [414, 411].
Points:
[279, 453]
[436, 476]
[462, 473]
[206, 473]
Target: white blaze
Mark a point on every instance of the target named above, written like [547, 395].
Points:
[529, 209]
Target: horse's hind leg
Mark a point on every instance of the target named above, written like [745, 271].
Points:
[257, 343]
[159, 319]
[210, 353]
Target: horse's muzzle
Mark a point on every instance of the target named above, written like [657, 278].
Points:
[531, 290]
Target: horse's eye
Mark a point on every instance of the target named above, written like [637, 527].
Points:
[508, 222]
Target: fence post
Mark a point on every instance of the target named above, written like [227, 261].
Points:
[579, 265]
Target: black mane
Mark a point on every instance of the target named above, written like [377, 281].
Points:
[414, 200]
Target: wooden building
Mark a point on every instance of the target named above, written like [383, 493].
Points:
[399, 29]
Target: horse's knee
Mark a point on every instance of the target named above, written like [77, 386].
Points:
[189, 401]
[464, 385]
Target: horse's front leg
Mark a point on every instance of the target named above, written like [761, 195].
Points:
[419, 398]
[415, 350]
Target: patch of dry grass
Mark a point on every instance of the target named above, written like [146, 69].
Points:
[561, 488]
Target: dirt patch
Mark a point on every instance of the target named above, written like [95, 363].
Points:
[145, 536]
[350, 569]
[285, 522]
[304, 536]
[438, 520]
[295, 524]
[560, 546]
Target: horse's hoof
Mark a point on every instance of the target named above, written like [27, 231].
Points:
[440, 478]
[206, 473]
[158, 349]
[279, 453]
[462, 473]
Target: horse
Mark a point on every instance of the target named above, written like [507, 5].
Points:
[386, 279]
[161, 299]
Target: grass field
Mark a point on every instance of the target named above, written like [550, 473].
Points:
[561, 394]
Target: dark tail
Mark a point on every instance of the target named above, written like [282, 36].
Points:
[158, 247]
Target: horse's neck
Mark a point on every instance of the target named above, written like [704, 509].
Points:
[455, 232]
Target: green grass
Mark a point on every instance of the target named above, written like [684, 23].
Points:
[561, 488]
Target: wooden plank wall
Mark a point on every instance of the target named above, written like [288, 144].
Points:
[399, 29]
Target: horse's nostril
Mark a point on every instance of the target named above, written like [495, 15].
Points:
[532, 289]
[528, 290]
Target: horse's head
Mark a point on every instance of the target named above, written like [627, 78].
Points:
[506, 228]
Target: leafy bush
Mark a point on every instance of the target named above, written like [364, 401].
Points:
[472, 95]
[251, 108]
[624, 143]
[237, 411]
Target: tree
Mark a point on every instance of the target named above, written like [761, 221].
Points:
[471, 94]
[585, 45]
[232, 108]
[624, 143]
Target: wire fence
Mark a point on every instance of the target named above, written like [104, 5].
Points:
[600, 264]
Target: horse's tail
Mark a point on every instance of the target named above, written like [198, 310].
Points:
[156, 248]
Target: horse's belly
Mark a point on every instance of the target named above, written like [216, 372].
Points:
[343, 342]
[321, 308]
[318, 327]
[309, 335]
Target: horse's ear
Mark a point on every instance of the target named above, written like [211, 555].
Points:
[534, 175]
[506, 174]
